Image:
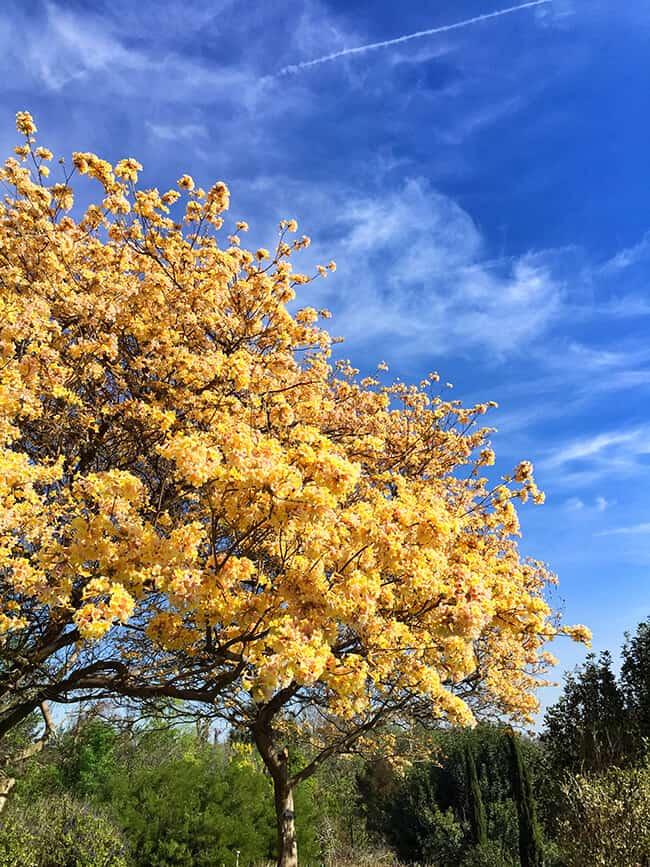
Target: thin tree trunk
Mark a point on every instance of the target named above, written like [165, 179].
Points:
[6, 785]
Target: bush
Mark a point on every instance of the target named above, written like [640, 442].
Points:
[418, 827]
[606, 818]
[490, 854]
[61, 832]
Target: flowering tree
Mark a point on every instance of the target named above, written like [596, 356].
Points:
[197, 503]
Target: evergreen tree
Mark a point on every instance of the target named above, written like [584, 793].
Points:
[530, 838]
[477, 817]
[175, 799]
[589, 728]
[635, 678]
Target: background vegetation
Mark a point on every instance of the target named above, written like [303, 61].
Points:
[108, 790]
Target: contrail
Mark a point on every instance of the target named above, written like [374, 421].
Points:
[296, 67]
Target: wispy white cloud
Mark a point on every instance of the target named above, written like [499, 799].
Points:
[413, 270]
[63, 49]
[577, 504]
[414, 266]
[71, 49]
[599, 359]
[629, 256]
[584, 372]
[478, 118]
[176, 132]
[400, 40]
[599, 459]
[642, 529]
[633, 442]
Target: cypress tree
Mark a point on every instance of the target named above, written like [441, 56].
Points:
[530, 838]
[477, 817]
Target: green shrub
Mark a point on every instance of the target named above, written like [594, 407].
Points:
[60, 832]
[417, 826]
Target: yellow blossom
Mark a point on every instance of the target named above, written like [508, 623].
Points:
[128, 170]
[25, 123]
[186, 182]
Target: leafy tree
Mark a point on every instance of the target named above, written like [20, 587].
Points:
[23, 742]
[81, 762]
[199, 505]
[443, 786]
[589, 727]
[176, 798]
[339, 823]
[489, 854]
[418, 826]
[193, 806]
[87, 758]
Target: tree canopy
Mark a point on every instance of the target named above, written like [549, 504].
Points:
[198, 502]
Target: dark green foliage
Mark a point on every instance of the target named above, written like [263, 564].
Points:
[530, 839]
[420, 825]
[635, 679]
[491, 763]
[477, 817]
[88, 758]
[600, 721]
[589, 728]
[343, 833]
[162, 797]
[489, 854]
[439, 810]
[15, 741]
[184, 803]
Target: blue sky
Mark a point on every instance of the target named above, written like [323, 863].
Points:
[483, 190]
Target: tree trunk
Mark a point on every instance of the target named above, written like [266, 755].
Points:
[287, 843]
[277, 763]
[6, 785]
